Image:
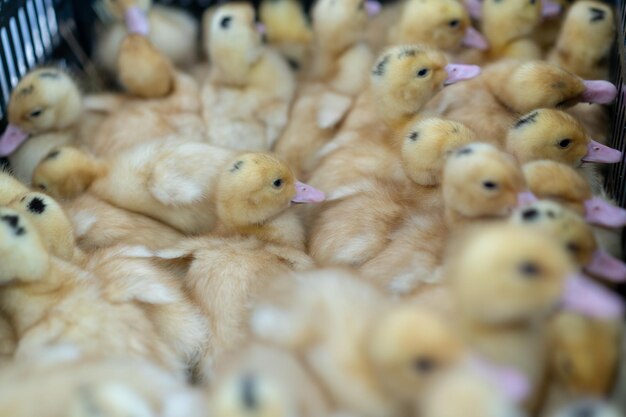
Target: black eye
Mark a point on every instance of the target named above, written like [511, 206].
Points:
[529, 269]
[225, 22]
[42, 187]
[454, 23]
[530, 214]
[564, 143]
[490, 185]
[424, 365]
[533, 1]
[423, 72]
[36, 113]
[277, 183]
[573, 248]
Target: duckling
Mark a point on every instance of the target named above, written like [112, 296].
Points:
[522, 274]
[509, 26]
[79, 387]
[286, 29]
[41, 295]
[585, 40]
[10, 188]
[257, 239]
[173, 32]
[555, 135]
[247, 97]
[444, 25]
[339, 235]
[337, 72]
[374, 357]
[402, 81]
[264, 380]
[584, 358]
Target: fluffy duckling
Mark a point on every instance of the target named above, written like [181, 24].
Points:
[373, 357]
[258, 239]
[505, 280]
[286, 29]
[172, 31]
[41, 295]
[263, 380]
[10, 188]
[585, 40]
[402, 81]
[491, 103]
[443, 25]
[339, 235]
[247, 97]
[337, 72]
[584, 358]
[555, 135]
[67, 385]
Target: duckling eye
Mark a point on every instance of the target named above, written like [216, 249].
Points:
[422, 73]
[490, 185]
[533, 1]
[424, 365]
[530, 214]
[35, 113]
[42, 187]
[225, 22]
[573, 248]
[564, 143]
[277, 183]
[529, 269]
[454, 23]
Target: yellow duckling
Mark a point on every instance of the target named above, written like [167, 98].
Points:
[247, 96]
[172, 32]
[258, 238]
[491, 103]
[442, 24]
[286, 29]
[373, 357]
[585, 40]
[41, 294]
[10, 188]
[356, 223]
[403, 79]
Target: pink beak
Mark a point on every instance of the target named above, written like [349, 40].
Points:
[260, 27]
[584, 296]
[11, 139]
[474, 8]
[597, 152]
[601, 213]
[513, 382]
[550, 9]
[475, 39]
[307, 194]
[604, 265]
[373, 7]
[599, 92]
[459, 72]
[526, 198]
[137, 21]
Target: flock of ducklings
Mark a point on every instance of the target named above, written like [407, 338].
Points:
[453, 256]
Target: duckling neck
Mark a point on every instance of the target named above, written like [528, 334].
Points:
[284, 229]
[233, 68]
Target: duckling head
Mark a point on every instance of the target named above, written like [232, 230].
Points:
[481, 182]
[339, 24]
[409, 348]
[47, 216]
[251, 395]
[585, 353]
[256, 187]
[404, 78]
[555, 135]
[426, 146]
[284, 21]
[538, 84]
[507, 20]
[66, 172]
[22, 254]
[586, 38]
[46, 99]
[507, 273]
[10, 188]
[442, 24]
[234, 43]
